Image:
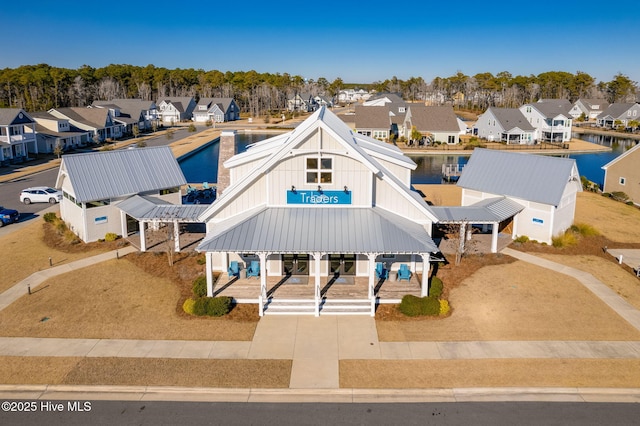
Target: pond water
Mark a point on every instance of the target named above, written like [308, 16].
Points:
[202, 165]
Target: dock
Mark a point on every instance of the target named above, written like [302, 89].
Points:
[451, 172]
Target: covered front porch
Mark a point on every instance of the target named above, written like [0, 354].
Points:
[322, 256]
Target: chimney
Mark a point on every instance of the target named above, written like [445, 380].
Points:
[227, 150]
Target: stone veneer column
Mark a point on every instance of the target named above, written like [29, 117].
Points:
[227, 150]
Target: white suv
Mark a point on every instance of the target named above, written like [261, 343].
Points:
[40, 194]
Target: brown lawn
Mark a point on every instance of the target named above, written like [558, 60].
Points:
[616, 221]
[30, 252]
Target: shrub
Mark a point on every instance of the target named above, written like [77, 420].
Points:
[585, 230]
[435, 290]
[188, 306]
[564, 240]
[199, 306]
[61, 228]
[110, 236]
[444, 307]
[211, 306]
[50, 217]
[217, 306]
[199, 286]
[619, 196]
[201, 260]
[522, 239]
[413, 306]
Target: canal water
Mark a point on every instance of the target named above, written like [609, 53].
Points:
[202, 165]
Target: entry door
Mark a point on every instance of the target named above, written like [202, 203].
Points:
[295, 264]
[342, 264]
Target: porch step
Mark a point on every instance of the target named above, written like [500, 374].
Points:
[345, 307]
[290, 307]
[327, 307]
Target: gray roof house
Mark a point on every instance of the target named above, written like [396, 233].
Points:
[374, 121]
[436, 123]
[619, 112]
[17, 136]
[130, 112]
[53, 132]
[217, 110]
[551, 119]
[591, 108]
[176, 109]
[94, 184]
[544, 186]
[97, 121]
[507, 125]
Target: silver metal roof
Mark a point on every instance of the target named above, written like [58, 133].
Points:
[318, 229]
[491, 210]
[111, 174]
[152, 208]
[530, 177]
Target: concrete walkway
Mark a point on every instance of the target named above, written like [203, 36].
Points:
[630, 257]
[316, 345]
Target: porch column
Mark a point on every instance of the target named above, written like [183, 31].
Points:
[424, 285]
[372, 273]
[143, 238]
[209, 258]
[494, 237]
[123, 224]
[316, 284]
[263, 281]
[176, 236]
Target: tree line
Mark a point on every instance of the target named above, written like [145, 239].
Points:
[41, 87]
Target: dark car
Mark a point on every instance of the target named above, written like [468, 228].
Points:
[8, 216]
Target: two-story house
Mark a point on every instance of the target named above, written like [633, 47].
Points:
[551, 119]
[619, 115]
[97, 121]
[17, 136]
[176, 109]
[131, 112]
[507, 125]
[53, 132]
[216, 110]
[588, 108]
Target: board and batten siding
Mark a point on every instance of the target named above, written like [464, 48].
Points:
[253, 196]
[345, 172]
[392, 200]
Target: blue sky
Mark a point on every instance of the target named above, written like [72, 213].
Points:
[360, 42]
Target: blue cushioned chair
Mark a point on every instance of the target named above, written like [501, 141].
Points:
[381, 271]
[234, 269]
[254, 269]
[404, 273]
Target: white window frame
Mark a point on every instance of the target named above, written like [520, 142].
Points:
[319, 170]
[622, 181]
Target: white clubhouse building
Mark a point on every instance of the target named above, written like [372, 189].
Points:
[319, 204]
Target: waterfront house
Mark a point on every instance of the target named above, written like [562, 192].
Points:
[176, 109]
[435, 123]
[550, 118]
[97, 121]
[619, 115]
[95, 185]
[216, 110]
[17, 136]
[506, 125]
[53, 132]
[591, 108]
[623, 174]
[313, 210]
[544, 186]
[374, 121]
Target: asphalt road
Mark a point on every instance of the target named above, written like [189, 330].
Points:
[185, 413]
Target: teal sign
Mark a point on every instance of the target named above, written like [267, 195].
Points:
[319, 197]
